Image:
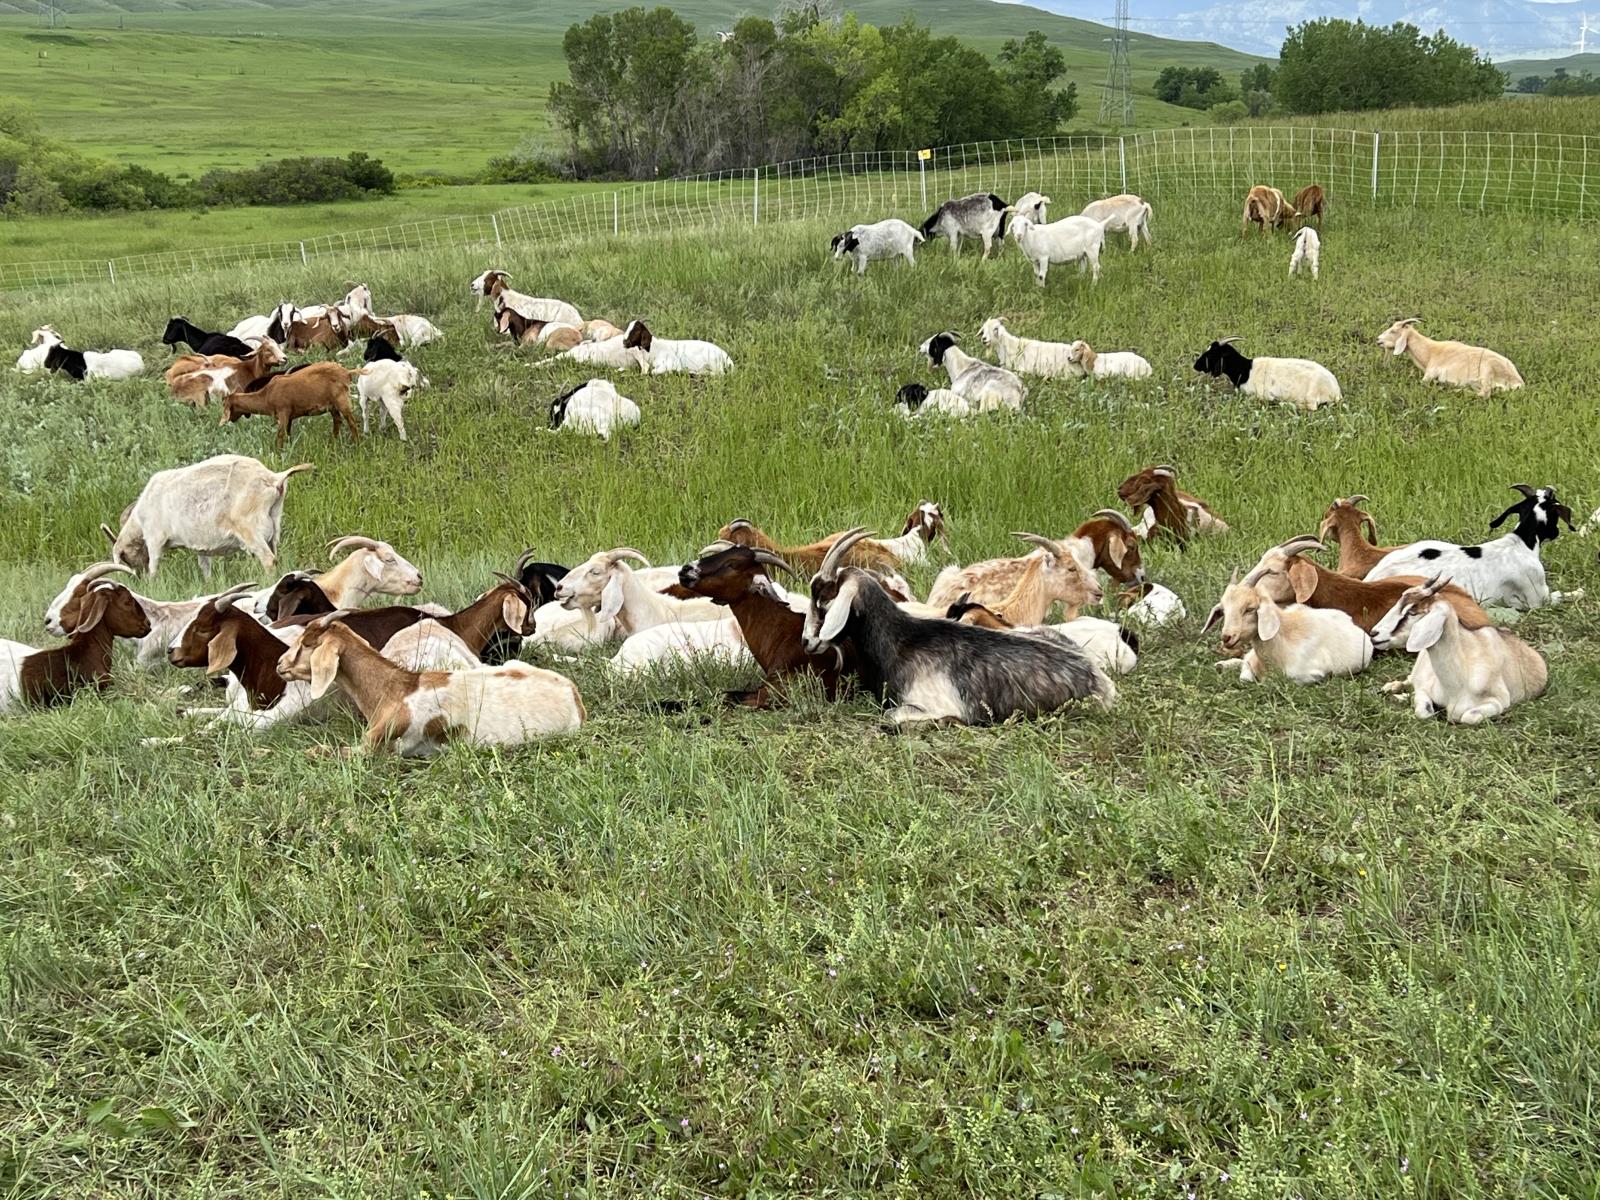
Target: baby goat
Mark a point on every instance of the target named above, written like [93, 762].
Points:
[1305, 644]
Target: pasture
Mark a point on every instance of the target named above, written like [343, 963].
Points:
[1225, 940]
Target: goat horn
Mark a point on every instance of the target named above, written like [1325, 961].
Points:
[101, 569]
[1525, 490]
[741, 523]
[1039, 540]
[627, 552]
[836, 552]
[1228, 341]
[1408, 321]
[716, 547]
[525, 558]
[324, 622]
[345, 544]
[1359, 500]
[1303, 544]
[106, 529]
[768, 558]
[223, 601]
[1112, 514]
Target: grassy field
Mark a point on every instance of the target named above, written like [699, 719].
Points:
[426, 85]
[1224, 941]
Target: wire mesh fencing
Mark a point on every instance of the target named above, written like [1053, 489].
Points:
[1489, 172]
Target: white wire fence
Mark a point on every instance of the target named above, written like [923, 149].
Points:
[1490, 172]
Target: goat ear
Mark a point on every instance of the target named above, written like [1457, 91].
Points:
[94, 610]
[1268, 621]
[515, 613]
[1400, 342]
[222, 650]
[611, 597]
[839, 611]
[1216, 615]
[1426, 631]
[1371, 527]
[1116, 548]
[1515, 508]
[1303, 578]
[324, 667]
[374, 567]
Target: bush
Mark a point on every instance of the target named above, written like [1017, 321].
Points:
[1230, 112]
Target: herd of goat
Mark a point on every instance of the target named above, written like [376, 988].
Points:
[980, 648]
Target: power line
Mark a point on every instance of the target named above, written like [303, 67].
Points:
[1116, 97]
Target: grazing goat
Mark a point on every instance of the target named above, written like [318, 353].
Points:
[1505, 571]
[982, 385]
[1474, 675]
[105, 611]
[1153, 496]
[182, 330]
[1303, 643]
[1126, 212]
[390, 384]
[1108, 364]
[1310, 201]
[1288, 577]
[1025, 355]
[218, 506]
[93, 364]
[1266, 207]
[195, 378]
[1454, 363]
[32, 359]
[980, 215]
[493, 284]
[1307, 253]
[1298, 381]
[1071, 239]
[322, 387]
[870, 243]
[594, 407]
[1346, 520]
[939, 670]
[686, 355]
[914, 400]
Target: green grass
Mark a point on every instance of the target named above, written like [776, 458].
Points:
[1537, 114]
[1285, 935]
[1574, 64]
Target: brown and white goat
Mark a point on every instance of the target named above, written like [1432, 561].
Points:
[1023, 590]
[417, 713]
[195, 378]
[94, 618]
[327, 331]
[1153, 496]
[1310, 201]
[1266, 207]
[869, 553]
[1358, 552]
[526, 331]
[505, 608]
[322, 387]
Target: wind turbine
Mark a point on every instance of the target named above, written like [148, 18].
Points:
[1584, 30]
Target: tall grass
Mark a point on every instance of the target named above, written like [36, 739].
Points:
[1284, 937]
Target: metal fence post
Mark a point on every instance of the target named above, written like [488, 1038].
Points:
[303, 260]
[756, 202]
[616, 216]
[495, 222]
[111, 271]
[1122, 160]
[922, 178]
[1375, 166]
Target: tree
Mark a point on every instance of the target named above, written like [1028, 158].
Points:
[1230, 112]
[1192, 87]
[1331, 65]
[1530, 84]
[1031, 69]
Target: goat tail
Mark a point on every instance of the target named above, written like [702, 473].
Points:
[296, 469]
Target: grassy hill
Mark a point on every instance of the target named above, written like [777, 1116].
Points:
[423, 84]
[1574, 63]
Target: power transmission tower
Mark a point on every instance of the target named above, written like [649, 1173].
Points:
[1116, 97]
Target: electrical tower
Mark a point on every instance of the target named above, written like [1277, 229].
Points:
[1116, 97]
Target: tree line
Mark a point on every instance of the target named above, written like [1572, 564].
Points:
[1560, 84]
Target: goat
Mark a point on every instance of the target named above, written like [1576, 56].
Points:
[380, 349]
[430, 646]
[939, 670]
[528, 331]
[32, 359]
[1024, 590]
[166, 617]
[506, 608]
[606, 586]
[327, 331]
[1298, 381]
[274, 325]
[985, 386]
[914, 400]
[1310, 201]
[1505, 571]
[322, 387]
[892, 238]
[1288, 577]
[608, 352]
[540, 580]
[1025, 355]
[494, 285]
[224, 641]
[1126, 212]
[716, 642]
[1303, 643]
[1113, 546]
[1454, 363]
[93, 364]
[182, 330]
[369, 568]
[103, 612]
[1266, 207]
[1346, 520]
[1110, 647]
[1307, 253]
[693, 357]
[408, 329]
[416, 713]
[594, 407]
[1108, 364]
[390, 384]
[1071, 239]
[1033, 205]
[980, 215]
[1152, 605]
[1153, 496]
[214, 507]
[1474, 675]
[924, 524]
[195, 378]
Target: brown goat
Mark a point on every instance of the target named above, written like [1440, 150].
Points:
[1178, 513]
[1310, 201]
[1345, 520]
[93, 619]
[866, 553]
[1267, 208]
[1285, 574]
[330, 331]
[195, 378]
[322, 387]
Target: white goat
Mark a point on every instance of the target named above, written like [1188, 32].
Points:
[983, 385]
[892, 238]
[493, 283]
[1071, 239]
[32, 359]
[1474, 675]
[1126, 212]
[914, 400]
[1305, 644]
[719, 642]
[1307, 253]
[1103, 643]
[429, 646]
[594, 407]
[1158, 607]
[389, 382]
[253, 329]
[1107, 364]
[664, 355]
[607, 352]
[1507, 570]
[1025, 355]
[1300, 382]
[1454, 363]
[606, 586]
[412, 330]
[1034, 206]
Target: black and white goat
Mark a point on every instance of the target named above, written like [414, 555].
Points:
[892, 238]
[938, 670]
[980, 215]
[981, 384]
[1506, 571]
